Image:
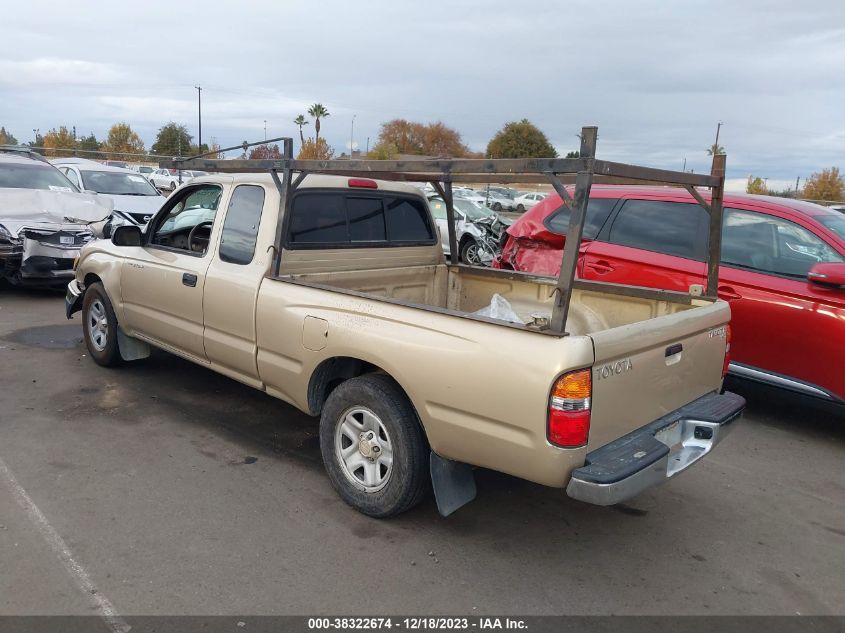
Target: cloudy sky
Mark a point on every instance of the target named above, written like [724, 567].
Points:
[655, 76]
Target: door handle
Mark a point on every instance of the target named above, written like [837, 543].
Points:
[601, 266]
[728, 293]
[189, 279]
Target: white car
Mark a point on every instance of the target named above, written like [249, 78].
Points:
[168, 180]
[478, 230]
[528, 200]
[495, 200]
[135, 199]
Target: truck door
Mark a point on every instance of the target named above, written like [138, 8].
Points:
[232, 282]
[162, 281]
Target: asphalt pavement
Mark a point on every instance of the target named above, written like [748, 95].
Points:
[169, 489]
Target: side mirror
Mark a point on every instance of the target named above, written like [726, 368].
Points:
[831, 274]
[126, 236]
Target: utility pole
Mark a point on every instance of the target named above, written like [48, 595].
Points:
[199, 113]
[352, 138]
[368, 145]
[796, 185]
[685, 164]
[265, 129]
[716, 144]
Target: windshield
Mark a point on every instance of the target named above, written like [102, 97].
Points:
[34, 176]
[472, 210]
[835, 223]
[117, 183]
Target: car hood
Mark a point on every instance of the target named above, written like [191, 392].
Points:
[36, 208]
[147, 205]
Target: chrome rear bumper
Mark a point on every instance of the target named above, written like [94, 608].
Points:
[656, 452]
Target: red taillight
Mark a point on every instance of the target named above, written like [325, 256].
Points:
[569, 409]
[366, 183]
[728, 337]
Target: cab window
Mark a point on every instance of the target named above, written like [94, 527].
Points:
[240, 228]
[186, 226]
[771, 245]
[340, 219]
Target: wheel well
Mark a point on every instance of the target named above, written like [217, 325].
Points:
[329, 374]
[89, 279]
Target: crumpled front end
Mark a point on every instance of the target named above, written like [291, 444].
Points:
[42, 256]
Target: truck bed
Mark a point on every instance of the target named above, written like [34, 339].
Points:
[466, 290]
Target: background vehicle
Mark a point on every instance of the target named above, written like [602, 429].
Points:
[788, 321]
[496, 200]
[479, 230]
[350, 312]
[117, 163]
[44, 220]
[168, 179]
[528, 200]
[135, 199]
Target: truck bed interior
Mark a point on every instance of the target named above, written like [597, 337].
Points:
[466, 289]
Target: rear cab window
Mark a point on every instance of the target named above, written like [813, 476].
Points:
[344, 219]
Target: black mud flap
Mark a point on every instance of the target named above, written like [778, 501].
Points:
[453, 482]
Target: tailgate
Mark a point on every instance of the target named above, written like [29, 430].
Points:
[645, 370]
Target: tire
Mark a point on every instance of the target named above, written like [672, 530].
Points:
[497, 206]
[99, 327]
[172, 186]
[368, 417]
[520, 208]
[469, 253]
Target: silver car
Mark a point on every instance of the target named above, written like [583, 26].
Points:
[478, 230]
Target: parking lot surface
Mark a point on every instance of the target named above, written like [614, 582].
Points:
[174, 490]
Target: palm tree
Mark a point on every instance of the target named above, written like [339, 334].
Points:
[300, 121]
[318, 111]
[715, 149]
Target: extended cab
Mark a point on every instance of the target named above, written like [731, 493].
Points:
[366, 326]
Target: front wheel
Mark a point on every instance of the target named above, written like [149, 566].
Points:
[520, 208]
[99, 327]
[172, 186]
[373, 446]
[470, 253]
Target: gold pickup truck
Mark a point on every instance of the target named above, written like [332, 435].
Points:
[342, 305]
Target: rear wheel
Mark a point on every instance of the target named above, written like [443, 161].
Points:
[172, 186]
[373, 446]
[99, 327]
[520, 208]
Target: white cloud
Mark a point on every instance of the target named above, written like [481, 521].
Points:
[51, 71]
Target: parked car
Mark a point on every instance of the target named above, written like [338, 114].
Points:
[144, 170]
[44, 220]
[478, 230]
[135, 199]
[117, 163]
[169, 179]
[496, 200]
[782, 270]
[399, 353]
[468, 194]
[527, 201]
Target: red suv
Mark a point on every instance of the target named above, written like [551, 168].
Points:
[782, 270]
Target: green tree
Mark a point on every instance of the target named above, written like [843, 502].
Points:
[756, 185]
[383, 151]
[317, 111]
[715, 149]
[316, 150]
[825, 185]
[90, 144]
[122, 141]
[59, 142]
[574, 154]
[172, 140]
[301, 121]
[7, 138]
[520, 139]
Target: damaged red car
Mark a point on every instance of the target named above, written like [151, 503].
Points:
[782, 270]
